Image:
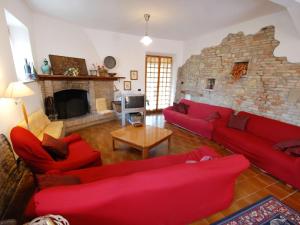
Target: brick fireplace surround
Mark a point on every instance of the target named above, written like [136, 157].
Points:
[95, 89]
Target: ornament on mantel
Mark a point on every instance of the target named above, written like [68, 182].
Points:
[46, 69]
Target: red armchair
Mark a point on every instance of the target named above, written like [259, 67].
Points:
[29, 148]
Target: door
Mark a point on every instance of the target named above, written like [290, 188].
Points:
[158, 82]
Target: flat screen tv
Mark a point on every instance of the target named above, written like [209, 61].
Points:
[134, 101]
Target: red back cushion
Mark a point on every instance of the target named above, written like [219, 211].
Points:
[27, 146]
[270, 129]
[202, 110]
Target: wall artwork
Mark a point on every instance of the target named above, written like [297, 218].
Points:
[61, 64]
[134, 75]
[127, 85]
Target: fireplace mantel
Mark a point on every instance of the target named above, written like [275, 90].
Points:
[62, 77]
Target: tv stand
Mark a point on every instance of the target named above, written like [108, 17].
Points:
[130, 110]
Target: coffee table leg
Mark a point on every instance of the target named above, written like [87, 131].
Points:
[169, 143]
[114, 144]
[145, 153]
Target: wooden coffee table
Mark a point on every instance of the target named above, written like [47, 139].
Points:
[142, 138]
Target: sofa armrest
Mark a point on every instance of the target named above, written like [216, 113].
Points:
[71, 138]
[169, 108]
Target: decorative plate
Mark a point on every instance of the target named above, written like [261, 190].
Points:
[109, 62]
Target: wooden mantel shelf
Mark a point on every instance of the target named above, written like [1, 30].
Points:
[89, 77]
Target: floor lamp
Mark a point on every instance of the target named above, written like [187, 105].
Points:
[17, 90]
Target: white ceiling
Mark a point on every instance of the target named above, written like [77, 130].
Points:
[170, 19]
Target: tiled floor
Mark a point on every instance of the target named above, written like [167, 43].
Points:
[251, 186]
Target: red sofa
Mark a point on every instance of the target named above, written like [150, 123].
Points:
[194, 120]
[164, 190]
[29, 148]
[257, 142]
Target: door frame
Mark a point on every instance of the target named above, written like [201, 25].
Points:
[159, 61]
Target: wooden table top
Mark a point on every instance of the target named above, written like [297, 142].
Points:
[143, 137]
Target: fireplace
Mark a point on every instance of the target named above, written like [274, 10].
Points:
[71, 103]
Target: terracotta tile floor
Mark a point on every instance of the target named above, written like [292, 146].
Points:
[251, 186]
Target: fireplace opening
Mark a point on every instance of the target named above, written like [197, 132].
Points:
[71, 103]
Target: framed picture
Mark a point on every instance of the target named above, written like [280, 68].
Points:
[134, 75]
[127, 85]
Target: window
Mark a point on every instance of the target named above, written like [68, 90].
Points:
[158, 82]
[20, 46]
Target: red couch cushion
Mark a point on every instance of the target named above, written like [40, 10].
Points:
[202, 110]
[58, 149]
[270, 129]
[238, 122]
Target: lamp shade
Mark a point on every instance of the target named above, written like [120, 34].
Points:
[17, 90]
[146, 40]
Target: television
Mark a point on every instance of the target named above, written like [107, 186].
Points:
[134, 101]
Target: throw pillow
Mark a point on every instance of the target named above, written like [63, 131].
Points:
[283, 145]
[47, 181]
[180, 107]
[293, 151]
[238, 122]
[213, 116]
[56, 148]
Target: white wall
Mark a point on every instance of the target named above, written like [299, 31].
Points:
[285, 32]
[130, 54]
[56, 37]
[10, 113]
[53, 36]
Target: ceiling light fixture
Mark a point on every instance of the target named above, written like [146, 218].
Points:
[146, 40]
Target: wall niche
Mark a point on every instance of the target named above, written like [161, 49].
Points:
[239, 70]
[266, 83]
[210, 83]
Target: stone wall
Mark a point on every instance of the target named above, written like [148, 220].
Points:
[270, 88]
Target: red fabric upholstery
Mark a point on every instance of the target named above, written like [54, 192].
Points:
[273, 130]
[163, 190]
[257, 144]
[196, 118]
[30, 149]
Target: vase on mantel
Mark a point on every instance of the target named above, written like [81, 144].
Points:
[27, 69]
[46, 69]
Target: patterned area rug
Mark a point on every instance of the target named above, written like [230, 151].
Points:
[268, 211]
